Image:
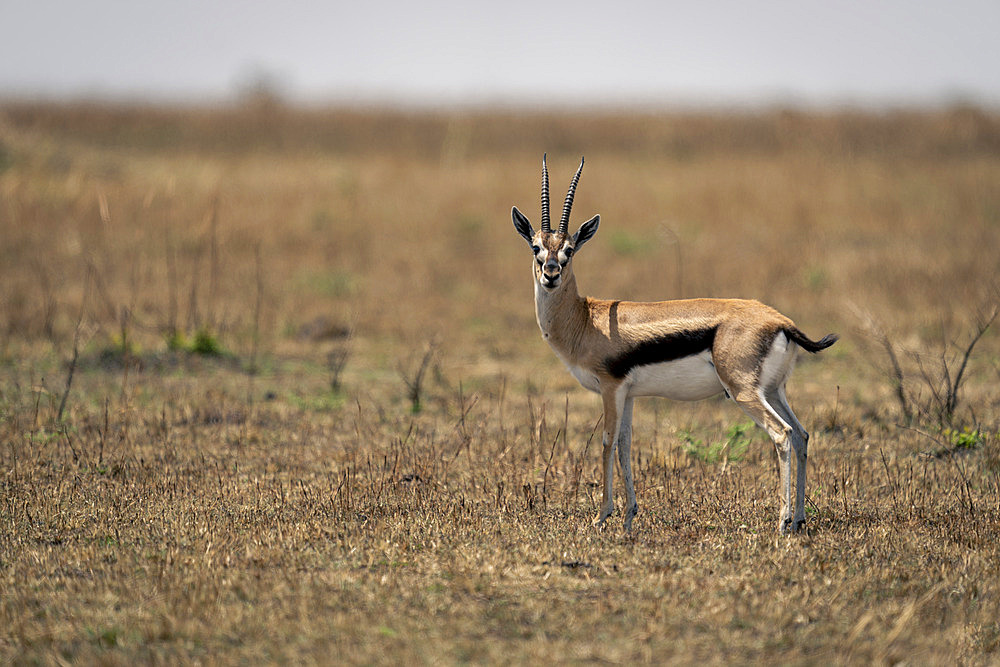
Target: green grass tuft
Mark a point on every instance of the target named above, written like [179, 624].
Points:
[206, 343]
[733, 448]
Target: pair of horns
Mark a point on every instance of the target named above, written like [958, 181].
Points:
[567, 205]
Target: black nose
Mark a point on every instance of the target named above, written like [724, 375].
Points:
[551, 267]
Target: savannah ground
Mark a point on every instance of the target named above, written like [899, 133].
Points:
[271, 389]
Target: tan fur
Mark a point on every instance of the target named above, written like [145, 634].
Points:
[591, 330]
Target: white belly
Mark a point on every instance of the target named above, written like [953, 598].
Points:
[688, 379]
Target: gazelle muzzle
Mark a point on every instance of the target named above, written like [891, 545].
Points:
[551, 274]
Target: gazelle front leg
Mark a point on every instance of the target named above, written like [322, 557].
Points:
[613, 409]
[625, 461]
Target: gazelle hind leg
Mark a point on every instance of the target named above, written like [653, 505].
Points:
[800, 443]
[625, 461]
[781, 435]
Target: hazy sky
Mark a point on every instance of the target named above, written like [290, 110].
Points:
[437, 51]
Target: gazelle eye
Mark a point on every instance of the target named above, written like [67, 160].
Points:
[535, 249]
[568, 251]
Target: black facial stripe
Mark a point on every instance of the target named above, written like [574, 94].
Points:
[667, 347]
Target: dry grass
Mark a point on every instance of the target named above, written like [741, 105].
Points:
[281, 501]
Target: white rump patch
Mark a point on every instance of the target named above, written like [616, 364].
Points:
[778, 363]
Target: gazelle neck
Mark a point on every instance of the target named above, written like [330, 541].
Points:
[561, 314]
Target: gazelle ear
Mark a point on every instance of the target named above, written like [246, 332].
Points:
[587, 230]
[522, 225]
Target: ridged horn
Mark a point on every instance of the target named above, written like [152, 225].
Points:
[568, 205]
[546, 221]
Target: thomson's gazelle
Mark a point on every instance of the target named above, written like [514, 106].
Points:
[686, 350]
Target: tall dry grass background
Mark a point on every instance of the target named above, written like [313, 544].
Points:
[216, 326]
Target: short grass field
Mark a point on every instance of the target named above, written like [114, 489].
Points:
[271, 389]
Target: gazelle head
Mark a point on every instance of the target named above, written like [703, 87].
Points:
[554, 250]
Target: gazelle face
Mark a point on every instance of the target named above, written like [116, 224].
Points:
[552, 259]
[553, 252]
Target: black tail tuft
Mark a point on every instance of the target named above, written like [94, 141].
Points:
[805, 343]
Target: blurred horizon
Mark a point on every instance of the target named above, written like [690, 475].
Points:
[718, 54]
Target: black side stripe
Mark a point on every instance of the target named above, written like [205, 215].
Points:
[667, 347]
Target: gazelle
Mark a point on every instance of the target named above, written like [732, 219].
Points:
[684, 349]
